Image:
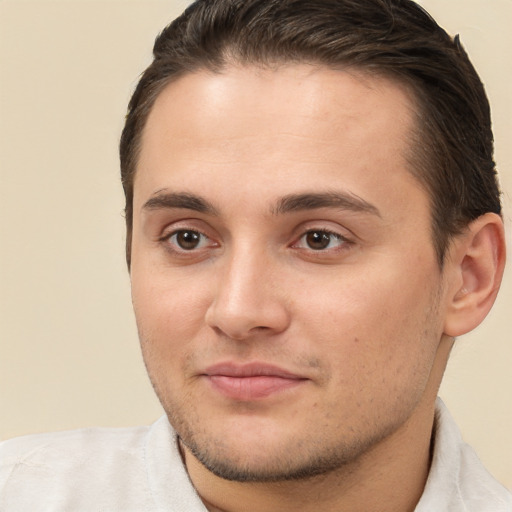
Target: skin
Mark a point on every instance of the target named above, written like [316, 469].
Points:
[362, 323]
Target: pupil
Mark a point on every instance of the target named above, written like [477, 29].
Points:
[318, 240]
[188, 239]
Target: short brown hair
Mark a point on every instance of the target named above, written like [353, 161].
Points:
[452, 149]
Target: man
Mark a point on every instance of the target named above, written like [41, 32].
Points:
[313, 216]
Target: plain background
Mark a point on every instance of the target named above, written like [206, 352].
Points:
[69, 353]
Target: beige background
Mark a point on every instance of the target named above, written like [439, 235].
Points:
[69, 355]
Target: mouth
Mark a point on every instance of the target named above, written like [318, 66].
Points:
[249, 382]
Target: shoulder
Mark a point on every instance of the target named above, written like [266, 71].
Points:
[128, 469]
[71, 448]
[63, 467]
[458, 481]
[478, 487]
[82, 437]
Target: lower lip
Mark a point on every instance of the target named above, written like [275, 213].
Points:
[252, 388]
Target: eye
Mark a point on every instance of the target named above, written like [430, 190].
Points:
[320, 240]
[187, 239]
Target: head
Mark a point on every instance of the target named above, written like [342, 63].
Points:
[451, 150]
[312, 217]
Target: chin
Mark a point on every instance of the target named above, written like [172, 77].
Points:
[255, 466]
[273, 455]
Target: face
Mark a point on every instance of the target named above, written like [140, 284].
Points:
[284, 280]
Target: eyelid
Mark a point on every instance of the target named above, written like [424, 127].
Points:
[326, 226]
[183, 224]
[174, 232]
[191, 225]
[334, 234]
[347, 241]
[170, 233]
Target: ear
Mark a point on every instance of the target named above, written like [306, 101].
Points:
[476, 264]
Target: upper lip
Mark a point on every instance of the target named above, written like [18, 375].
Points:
[254, 369]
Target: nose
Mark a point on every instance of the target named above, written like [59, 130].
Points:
[248, 299]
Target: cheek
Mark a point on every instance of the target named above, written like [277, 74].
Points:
[169, 316]
[169, 309]
[380, 324]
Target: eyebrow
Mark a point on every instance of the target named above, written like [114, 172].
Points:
[175, 200]
[287, 204]
[312, 201]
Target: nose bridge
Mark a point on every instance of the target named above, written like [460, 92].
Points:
[247, 296]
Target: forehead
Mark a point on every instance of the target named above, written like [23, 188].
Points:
[275, 129]
[249, 96]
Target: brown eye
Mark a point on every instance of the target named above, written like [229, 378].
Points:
[186, 239]
[318, 240]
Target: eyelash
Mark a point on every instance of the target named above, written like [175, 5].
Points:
[327, 235]
[174, 247]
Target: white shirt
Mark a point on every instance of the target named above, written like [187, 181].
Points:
[140, 470]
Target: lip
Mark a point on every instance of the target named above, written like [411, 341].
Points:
[253, 381]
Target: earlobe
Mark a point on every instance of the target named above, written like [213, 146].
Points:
[477, 261]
